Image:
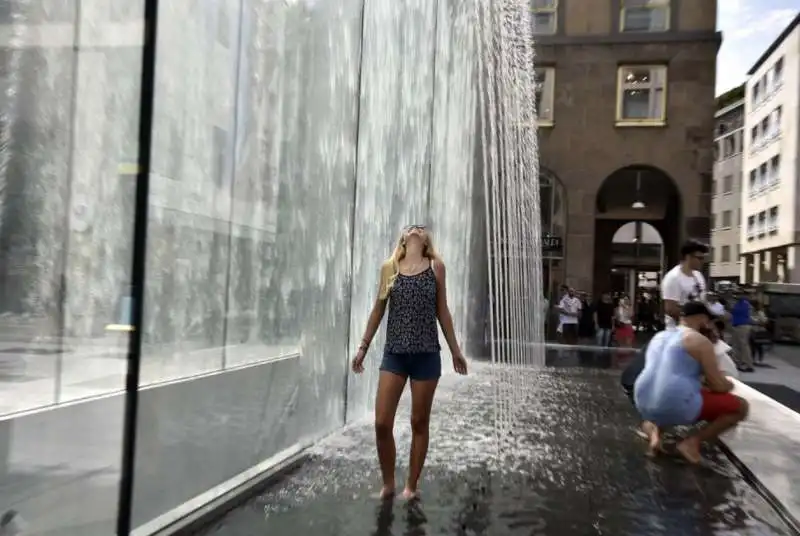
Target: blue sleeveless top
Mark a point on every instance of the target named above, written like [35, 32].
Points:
[667, 392]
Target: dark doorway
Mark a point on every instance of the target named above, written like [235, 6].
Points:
[647, 200]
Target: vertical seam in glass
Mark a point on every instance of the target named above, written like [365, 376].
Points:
[431, 145]
[231, 190]
[353, 209]
[59, 366]
[138, 265]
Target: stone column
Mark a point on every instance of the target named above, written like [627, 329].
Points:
[743, 260]
[580, 240]
[792, 268]
[756, 268]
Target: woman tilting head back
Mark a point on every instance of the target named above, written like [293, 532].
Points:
[412, 282]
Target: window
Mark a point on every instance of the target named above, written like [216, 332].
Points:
[738, 217]
[762, 223]
[726, 219]
[545, 90]
[713, 221]
[751, 227]
[776, 121]
[727, 184]
[641, 95]
[775, 169]
[726, 254]
[753, 184]
[544, 17]
[754, 136]
[738, 252]
[756, 93]
[717, 152]
[644, 16]
[777, 73]
[722, 129]
[772, 220]
[730, 146]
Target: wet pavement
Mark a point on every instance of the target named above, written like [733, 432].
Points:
[574, 467]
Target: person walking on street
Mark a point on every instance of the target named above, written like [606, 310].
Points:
[741, 313]
[570, 313]
[759, 333]
[603, 320]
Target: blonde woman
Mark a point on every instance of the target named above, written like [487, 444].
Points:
[412, 281]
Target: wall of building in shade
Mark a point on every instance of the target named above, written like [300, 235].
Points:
[288, 154]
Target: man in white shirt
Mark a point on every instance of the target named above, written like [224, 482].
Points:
[569, 309]
[684, 283]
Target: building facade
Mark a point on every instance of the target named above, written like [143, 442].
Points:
[626, 116]
[769, 199]
[726, 193]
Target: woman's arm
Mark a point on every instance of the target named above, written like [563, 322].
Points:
[375, 316]
[443, 310]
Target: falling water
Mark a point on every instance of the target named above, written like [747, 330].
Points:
[512, 203]
[10, 88]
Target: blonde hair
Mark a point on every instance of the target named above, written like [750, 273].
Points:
[390, 268]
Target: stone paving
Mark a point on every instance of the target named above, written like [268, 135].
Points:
[575, 466]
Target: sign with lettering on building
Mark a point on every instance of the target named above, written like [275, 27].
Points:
[552, 247]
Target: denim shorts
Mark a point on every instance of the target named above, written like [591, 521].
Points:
[418, 366]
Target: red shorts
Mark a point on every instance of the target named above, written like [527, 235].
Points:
[715, 405]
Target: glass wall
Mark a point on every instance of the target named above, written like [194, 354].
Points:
[69, 112]
[249, 240]
[291, 142]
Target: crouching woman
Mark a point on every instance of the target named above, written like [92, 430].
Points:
[671, 390]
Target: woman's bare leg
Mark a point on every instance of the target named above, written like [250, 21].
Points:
[653, 438]
[689, 448]
[422, 393]
[390, 389]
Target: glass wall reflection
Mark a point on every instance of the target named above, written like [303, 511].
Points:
[249, 242]
[70, 79]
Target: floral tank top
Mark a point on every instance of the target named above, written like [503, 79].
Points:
[412, 324]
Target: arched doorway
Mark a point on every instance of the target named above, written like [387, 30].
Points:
[553, 205]
[640, 205]
[637, 258]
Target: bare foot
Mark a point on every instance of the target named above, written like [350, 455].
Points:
[410, 495]
[690, 450]
[653, 439]
[387, 493]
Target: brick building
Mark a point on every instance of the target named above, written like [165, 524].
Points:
[626, 107]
